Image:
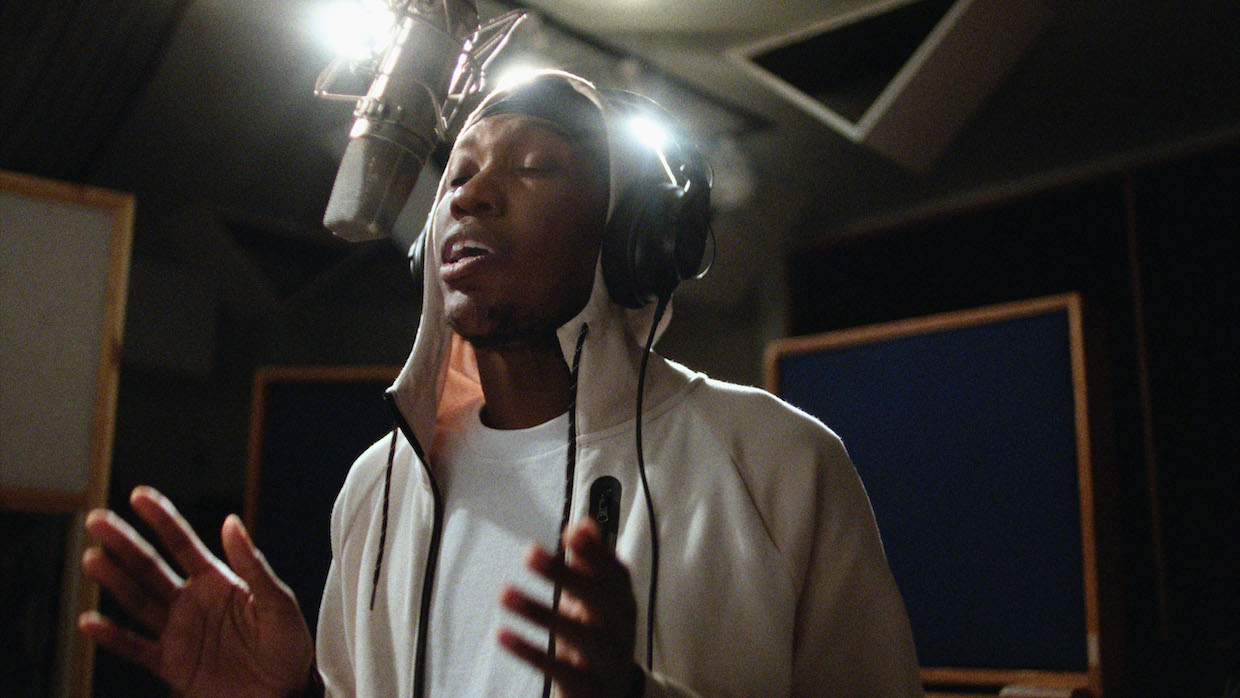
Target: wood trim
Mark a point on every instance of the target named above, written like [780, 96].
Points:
[68, 192]
[944, 676]
[42, 501]
[1148, 444]
[324, 374]
[1086, 490]
[76, 659]
[1022, 690]
[104, 426]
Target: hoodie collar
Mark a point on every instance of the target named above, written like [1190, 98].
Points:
[442, 372]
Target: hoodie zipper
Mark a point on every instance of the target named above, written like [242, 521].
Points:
[432, 553]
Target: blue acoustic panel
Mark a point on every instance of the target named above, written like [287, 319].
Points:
[965, 440]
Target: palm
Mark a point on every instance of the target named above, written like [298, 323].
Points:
[219, 630]
[233, 652]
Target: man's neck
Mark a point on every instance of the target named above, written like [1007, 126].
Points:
[523, 384]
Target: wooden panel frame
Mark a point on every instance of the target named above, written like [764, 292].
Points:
[1088, 468]
[75, 660]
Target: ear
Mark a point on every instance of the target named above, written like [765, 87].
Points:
[638, 249]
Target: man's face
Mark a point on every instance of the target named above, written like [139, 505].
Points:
[517, 230]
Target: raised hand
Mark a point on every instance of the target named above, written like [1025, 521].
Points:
[594, 624]
[214, 631]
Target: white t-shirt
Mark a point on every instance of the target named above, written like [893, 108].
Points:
[503, 490]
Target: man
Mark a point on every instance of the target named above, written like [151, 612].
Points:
[742, 517]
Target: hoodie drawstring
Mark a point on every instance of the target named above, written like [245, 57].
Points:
[570, 470]
[419, 669]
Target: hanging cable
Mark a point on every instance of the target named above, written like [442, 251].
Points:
[641, 471]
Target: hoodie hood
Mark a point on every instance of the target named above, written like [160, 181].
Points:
[441, 372]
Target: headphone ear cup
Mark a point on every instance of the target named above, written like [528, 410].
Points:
[417, 254]
[690, 226]
[655, 238]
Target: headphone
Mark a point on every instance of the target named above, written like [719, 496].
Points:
[656, 234]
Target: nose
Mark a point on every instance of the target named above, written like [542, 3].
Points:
[480, 195]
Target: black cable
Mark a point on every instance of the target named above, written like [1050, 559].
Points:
[641, 471]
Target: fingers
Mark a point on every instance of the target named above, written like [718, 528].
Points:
[586, 543]
[127, 644]
[148, 609]
[589, 660]
[185, 547]
[591, 574]
[563, 673]
[590, 555]
[135, 557]
[250, 564]
[575, 632]
[594, 622]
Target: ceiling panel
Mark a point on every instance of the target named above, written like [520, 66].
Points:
[70, 70]
[696, 17]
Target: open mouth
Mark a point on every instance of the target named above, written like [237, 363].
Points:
[464, 255]
[465, 250]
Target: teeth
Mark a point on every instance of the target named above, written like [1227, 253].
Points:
[465, 250]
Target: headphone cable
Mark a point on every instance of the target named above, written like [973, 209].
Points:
[641, 471]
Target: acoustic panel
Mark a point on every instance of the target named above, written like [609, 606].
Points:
[64, 270]
[307, 426]
[969, 433]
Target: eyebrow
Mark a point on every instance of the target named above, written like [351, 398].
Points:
[518, 137]
[592, 147]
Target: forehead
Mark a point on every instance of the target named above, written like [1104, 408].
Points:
[509, 131]
[514, 133]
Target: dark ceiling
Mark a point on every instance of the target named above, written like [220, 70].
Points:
[71, 73]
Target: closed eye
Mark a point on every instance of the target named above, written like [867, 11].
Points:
[537, 170]
[461, 170]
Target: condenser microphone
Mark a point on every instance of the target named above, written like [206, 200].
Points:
[437, 56]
